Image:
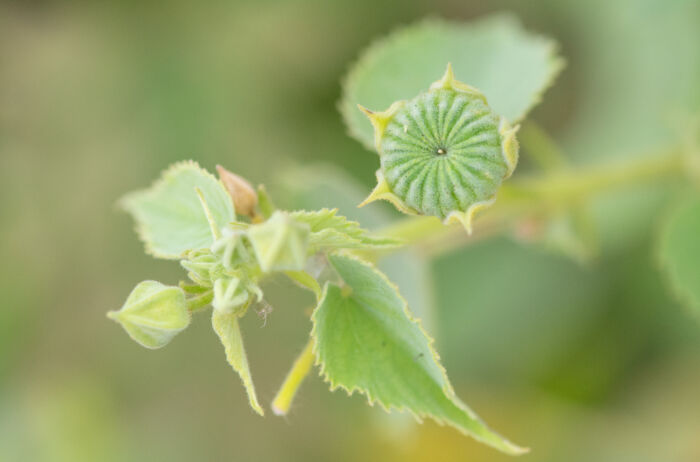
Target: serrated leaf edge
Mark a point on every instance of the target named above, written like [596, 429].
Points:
[507, 446]
[350, 223]
[139, 228]
[345, 106]
[243, 369]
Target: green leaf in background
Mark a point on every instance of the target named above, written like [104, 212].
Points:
[226, 327]
[332, 231]
[680, 252]
[367, 340]
[509, 65]
[169, 215]
[305, 281]
[153, 314]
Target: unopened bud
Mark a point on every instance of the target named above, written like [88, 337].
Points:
[230, 296]
[153, 314]
[280, 243]
[244, 197]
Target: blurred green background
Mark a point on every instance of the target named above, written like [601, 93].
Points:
[581, 363]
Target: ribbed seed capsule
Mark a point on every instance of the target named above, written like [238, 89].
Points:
[444, 153]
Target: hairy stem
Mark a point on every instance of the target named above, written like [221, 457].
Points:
[201, 301]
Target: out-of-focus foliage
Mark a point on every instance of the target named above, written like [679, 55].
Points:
[629, 56]
[510, 67]
[680, 252]
[97, 98]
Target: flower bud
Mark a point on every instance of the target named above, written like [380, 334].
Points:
[202, 267]
[280, 243]
[230, 296]
[153, 314]
[244, 197]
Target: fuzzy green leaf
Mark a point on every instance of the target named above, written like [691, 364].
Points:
[367, 340]
[679, 252]
[226, 327]
[153, 314]
[169, 215]
[509, 65]
[331, 231]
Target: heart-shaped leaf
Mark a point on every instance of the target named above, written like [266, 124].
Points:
[169, 215]
[367, 340]
[510, 66]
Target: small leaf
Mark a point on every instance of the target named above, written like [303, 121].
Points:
[510, 66]
[331, 231]
[315, 186]
[226, 327]
[679, 252]
[280, 243]
[169, 215]
[367, 340]
[153, 314]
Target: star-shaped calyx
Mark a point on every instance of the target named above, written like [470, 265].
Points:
[443, 153]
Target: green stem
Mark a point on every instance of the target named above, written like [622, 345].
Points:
[570, 185]
[200, 301]
[549, 192]
[300, 369]
[193, 288]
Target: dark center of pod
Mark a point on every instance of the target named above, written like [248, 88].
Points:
[441, 151]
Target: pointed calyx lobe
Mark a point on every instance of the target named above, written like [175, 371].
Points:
[443, 153]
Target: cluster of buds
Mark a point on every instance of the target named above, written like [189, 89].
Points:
[225, 275]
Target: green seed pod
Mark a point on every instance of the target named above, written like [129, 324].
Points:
[443, 153]
[153, 314]
[280, 243]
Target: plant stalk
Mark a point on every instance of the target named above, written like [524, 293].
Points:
[546, 193]
[300, 369]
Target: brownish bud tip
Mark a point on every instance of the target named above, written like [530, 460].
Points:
[368, 112]
[244, 197]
